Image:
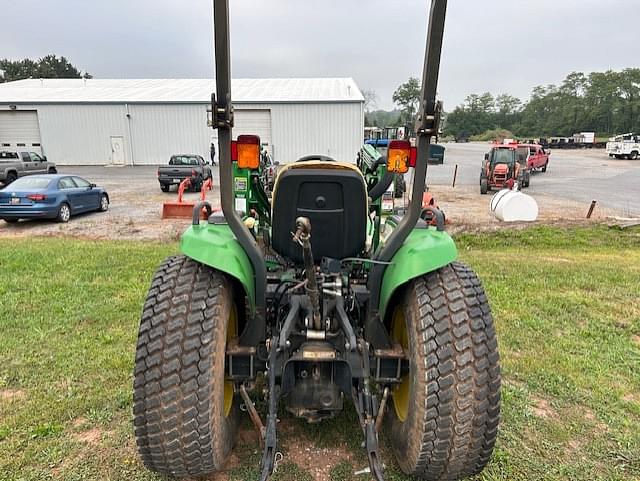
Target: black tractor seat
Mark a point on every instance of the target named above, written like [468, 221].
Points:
[333, 195]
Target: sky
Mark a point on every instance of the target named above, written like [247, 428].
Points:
[500, 46]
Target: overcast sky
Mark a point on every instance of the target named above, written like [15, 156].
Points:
[501, 46]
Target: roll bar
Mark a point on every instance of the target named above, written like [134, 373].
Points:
[222, 119]
[427, 125]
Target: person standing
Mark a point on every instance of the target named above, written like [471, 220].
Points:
[213, 153]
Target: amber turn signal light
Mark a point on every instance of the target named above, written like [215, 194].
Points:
[248, 151]
[398, 156]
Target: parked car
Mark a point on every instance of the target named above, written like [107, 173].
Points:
[182, 166]
[533, 156]
[51, 196]
[14, 165]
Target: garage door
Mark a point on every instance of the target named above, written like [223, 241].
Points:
[19, 130]
[256, 122]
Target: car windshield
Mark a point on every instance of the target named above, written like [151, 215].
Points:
[31, 183]
[184, 160]
[502, 156]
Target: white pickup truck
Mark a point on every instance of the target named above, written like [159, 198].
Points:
[18, 164]
[625, 146]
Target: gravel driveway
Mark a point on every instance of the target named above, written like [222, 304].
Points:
[563, 193]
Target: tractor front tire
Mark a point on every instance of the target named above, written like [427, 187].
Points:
[185, 414]
[444, 415]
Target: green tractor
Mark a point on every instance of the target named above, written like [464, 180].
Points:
[318, 295]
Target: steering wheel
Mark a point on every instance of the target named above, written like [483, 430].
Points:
[323, 158]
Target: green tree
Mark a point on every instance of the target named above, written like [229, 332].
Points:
[49, 66]
[407, 97]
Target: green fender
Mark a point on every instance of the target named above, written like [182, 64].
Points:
[424, 251]
[215, 245]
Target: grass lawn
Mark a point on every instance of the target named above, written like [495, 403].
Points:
[567, 309]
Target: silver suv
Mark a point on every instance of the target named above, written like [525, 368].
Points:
[18, 164]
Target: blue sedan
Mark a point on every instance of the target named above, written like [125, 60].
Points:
[52, 196]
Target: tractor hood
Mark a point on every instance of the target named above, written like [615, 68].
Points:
[501, 169]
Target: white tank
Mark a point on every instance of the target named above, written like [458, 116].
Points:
[512, 206]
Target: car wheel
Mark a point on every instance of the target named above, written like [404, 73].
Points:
[10, 220]
[11, 177]
[52, 170]
[165, 187]
[104, 203]
[64, 213]
[544, 167]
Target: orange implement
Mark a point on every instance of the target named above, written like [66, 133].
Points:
[183, 209]
[429, 203]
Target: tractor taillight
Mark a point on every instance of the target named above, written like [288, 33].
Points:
[413, 156]
[36, 197]
[399, 156]
[248, 151]
[234, 151]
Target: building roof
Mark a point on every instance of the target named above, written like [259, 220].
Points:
[178, 90]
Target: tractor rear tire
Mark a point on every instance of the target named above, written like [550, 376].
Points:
[444, 416]
[484, 186]
[185, 413]
[633, 155]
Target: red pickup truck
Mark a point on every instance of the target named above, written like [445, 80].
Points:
[532, 156]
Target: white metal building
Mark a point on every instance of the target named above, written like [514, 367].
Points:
[137, 122]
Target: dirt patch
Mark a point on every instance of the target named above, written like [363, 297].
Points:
[636, 339]
[542, 409]
[317, 461]
[632, 397]
[92, 436]
[11, 394]
[78, 423]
